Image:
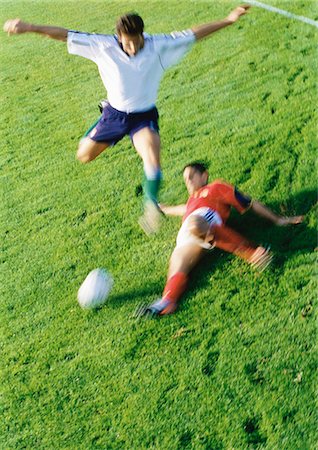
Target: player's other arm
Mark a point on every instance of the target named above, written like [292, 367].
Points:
[202, 31]
[177, 210]
[17, 26]
[264, 212]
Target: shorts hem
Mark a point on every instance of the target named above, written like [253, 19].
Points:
[151, 126]
[102, 141]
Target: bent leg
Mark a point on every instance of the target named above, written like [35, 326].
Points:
[229, 240]
[88, 149]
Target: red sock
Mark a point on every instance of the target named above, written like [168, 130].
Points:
[175, 287]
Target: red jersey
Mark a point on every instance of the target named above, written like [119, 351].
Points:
[220, 197]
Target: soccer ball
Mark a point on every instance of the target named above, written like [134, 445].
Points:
[95, 289]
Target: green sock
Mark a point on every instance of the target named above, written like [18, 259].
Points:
[151, 189]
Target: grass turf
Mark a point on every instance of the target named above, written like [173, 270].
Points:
[236, 367]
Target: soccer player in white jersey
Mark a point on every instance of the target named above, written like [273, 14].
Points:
[131, 65]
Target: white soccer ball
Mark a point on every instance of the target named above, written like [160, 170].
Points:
[95, 289]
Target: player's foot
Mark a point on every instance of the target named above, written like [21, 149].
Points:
[285, 221]
[261, 259]
[150, 220]
[160, 307]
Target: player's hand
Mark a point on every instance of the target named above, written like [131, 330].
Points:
[15, 26]
[237, 13]
[284, 221]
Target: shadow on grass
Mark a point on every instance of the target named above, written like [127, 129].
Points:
[284, 241]
[144, 293]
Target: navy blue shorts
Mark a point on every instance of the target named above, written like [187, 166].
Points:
[113, 125]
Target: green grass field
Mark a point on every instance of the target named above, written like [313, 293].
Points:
[236, 366]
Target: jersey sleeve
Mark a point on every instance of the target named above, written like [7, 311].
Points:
[86, 44]
[244, 201]
[171, 48]
[226, 194]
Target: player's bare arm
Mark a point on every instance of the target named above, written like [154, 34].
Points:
[266, 213]
[17, 26]
[202, 31]
[177, 210]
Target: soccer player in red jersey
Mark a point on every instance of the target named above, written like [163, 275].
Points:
[204, 227]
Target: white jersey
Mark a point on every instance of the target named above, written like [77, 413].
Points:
[131, 82]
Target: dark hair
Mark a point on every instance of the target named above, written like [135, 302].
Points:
[200, 166]
[130, 24]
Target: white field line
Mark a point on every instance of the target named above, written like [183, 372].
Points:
[283, 13]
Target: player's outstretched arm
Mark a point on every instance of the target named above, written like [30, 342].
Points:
[17, 26]
[264, 212]
[202, 31]
[177, 210]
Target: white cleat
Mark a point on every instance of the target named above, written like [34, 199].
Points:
[150, 220]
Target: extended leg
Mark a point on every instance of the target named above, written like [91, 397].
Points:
[182, 261]
[147, 144]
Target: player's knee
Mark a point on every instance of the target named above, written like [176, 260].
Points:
[83, 158]
[83, 155]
